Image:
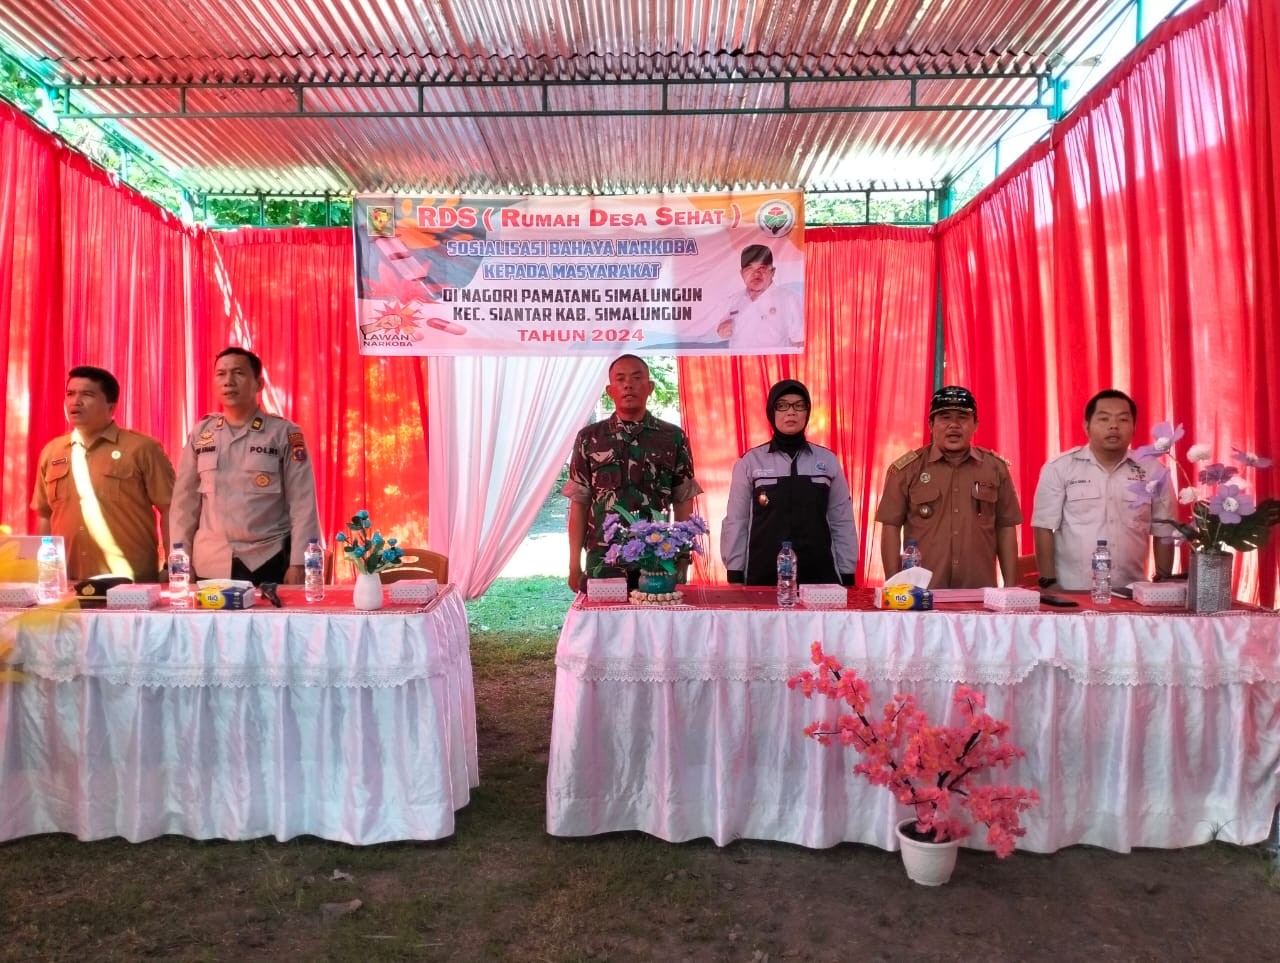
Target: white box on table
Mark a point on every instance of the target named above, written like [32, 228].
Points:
[411, 590]
[829, 595]
[17, 595]
[1011, 599]
[1160, 594]
[607, 590]
[137, 596]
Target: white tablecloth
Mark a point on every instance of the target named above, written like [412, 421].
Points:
[356, 727]
[1140, 729]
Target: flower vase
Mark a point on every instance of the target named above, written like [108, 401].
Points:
[926, 863]
[656, 583]
[367, 594]
[1209, 582]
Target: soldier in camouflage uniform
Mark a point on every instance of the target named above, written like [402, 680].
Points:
[630, 459]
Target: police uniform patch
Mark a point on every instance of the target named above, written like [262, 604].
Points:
[299, 454]
[206, 436]
[58, 461]
[256, 425]
[295, 439]
[262, 481]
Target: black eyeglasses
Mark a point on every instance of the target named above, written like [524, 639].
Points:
[790, 406]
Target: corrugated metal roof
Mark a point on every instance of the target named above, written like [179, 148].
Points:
[580, 132]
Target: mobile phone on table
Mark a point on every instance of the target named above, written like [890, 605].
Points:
[1058, 602]
[1123, 593]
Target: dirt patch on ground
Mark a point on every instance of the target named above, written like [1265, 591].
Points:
[501, 889]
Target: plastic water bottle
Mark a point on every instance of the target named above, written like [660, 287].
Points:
[313, 563]
[910, 554]
[1101, 565]
[48, 572]
[179, 577]
[787, 571]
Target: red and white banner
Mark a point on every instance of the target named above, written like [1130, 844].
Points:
[657, 274]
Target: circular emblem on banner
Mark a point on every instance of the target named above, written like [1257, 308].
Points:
[262, 481]
[776, 217]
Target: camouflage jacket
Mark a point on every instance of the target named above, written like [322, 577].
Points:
[644, 466]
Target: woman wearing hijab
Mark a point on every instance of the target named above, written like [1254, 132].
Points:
[789, 490]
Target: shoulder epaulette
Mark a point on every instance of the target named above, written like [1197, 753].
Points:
[907, 459]
[996, 454]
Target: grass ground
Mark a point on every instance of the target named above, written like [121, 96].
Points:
[501, 889]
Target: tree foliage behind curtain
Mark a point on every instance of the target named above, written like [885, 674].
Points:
[1118, 255]
[869, 308]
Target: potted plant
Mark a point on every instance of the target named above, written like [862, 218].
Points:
[1224, 514]
[651, 548]
[369, 554]
[931, 768]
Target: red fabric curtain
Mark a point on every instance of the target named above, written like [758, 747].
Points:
[1110, 257]
[288, 295]
[29, 305]
[1262, 46]
[869, 307]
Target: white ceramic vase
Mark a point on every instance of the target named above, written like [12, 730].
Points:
[367, 594]
[929, 864]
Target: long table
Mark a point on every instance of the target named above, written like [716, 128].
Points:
[309, 719]
[1142, 727]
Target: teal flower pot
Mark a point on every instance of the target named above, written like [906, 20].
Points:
[657, 583]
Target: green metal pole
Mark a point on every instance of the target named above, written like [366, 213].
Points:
[946, 195]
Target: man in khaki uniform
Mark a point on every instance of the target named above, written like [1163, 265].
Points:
[101, 486]
[954, 499]
[245, 498]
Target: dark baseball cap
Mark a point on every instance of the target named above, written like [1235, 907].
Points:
[756, 254]
[953, 398]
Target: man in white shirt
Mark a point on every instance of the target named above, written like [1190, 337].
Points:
[1089, 493]
[763, 316]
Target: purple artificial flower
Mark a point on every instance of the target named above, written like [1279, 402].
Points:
[668, 549]
[1230, 504]
[1144, 490]
[1249, 458]
[611, 556]
[1163, 436]
[632, 550]
[1217, 473]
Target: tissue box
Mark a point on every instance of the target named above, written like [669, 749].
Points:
[1011, 599]
[1168, 594]
[133, 597]
[607, 590]
[903, 597]
[412, 590]
[226, 597]
[17, 595]
[829, 596]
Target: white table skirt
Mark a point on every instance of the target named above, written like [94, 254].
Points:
[1140, 729]
[355, 727]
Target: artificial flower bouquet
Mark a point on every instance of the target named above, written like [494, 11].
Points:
[1223, 511]
[649, 546]
[367, 550]
[930, 768]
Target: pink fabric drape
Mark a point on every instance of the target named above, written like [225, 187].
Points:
[869, 307]
[1118, 255]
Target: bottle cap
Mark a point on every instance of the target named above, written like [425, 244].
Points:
[1102, 543]
[177, 545]
[786, 544]
[313, 541]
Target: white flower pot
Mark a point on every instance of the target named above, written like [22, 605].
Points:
[929, 864]
[367, 594]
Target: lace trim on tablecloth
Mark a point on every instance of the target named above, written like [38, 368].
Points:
[629, 669]
[236, 676]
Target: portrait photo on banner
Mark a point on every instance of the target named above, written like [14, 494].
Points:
[608, 275]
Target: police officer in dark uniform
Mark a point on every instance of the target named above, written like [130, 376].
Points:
[789, 489]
